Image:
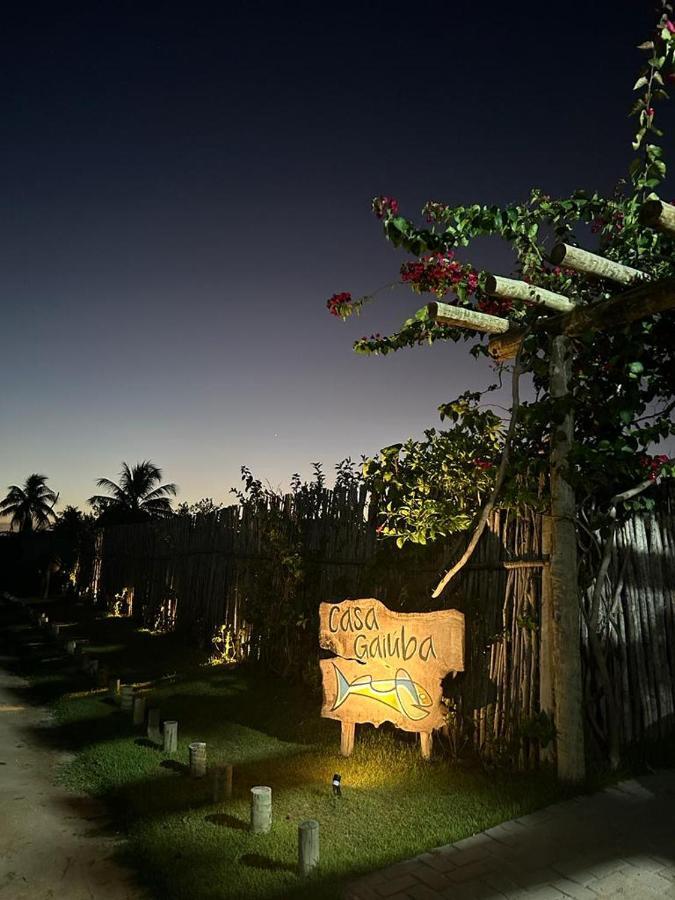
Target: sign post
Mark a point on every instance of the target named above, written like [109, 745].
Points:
[387, 666]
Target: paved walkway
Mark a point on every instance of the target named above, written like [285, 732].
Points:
[618, 843]
[53, 844]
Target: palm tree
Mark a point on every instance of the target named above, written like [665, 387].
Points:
[31, 506]
[138, 496]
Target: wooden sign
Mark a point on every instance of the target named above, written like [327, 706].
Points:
[387, 666]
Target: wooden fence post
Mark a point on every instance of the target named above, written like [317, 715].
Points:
[222, 783]
[308, 846]
[197, 759]
[261, 809]
[170, 736]
[127, 696]
[153, 731]
[139, 710]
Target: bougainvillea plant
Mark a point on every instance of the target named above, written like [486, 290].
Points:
[623, 381]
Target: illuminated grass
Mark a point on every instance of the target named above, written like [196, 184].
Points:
[394, 805]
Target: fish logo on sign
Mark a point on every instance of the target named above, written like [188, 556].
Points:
[400, 693]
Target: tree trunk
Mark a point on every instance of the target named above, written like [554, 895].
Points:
[564, 583]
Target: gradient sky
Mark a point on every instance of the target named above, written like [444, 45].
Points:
[184, 185]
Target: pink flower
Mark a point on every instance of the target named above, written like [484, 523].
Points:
[340, 304]
[669, 25]
[385, 207]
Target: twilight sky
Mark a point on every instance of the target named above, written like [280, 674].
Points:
[184, 185]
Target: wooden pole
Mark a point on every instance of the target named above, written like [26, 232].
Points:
[198, 759]
[347, 734]
[153, 730]
[222, 783]
[592, 264]
[114, 688]
[466, 318]
[170, 736]
[426, 740]
[127, 697]
[71, 647]
[261, 809]
[308, 846]
[139, 710]
[546, 694]
[657, 214]
[564, 582]
[511, 289]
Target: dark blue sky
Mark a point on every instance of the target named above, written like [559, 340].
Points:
[185, 185]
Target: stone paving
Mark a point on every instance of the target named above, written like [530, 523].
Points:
[617, 843]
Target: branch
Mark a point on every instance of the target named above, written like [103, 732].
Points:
[499, 480]
[609, 546]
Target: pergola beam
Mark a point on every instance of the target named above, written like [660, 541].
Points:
[511, 289]
[658, 214]
[621, 309]
[592, 264]
[464, 317]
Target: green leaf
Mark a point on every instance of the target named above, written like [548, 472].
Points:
[641, 82]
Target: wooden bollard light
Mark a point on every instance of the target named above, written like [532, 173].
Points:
[127, 696]
[261, 809]
[222, 783]
[308, 846]
[170, 736]
[337, 785]
[139, 710]
[71, 647]
[114, 688]
[198, 759]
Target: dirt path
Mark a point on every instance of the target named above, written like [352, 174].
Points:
[52, 843]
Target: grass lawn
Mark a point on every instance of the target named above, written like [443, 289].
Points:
[183, 845]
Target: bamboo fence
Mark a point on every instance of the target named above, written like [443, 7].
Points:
[260, 571]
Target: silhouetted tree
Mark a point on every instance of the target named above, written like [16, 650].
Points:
[139, 496]
[29, 507]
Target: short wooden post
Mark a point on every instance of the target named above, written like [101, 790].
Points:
[71, 647]
[127, 696]
[261, 809]
[153, 731]
[347, 733]
[170, 737]
[114, 688]
[55, 630]
[139, 710]
[426, 740]
[92, 668]
[198, 759]
[308, 846]
[222, 783]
